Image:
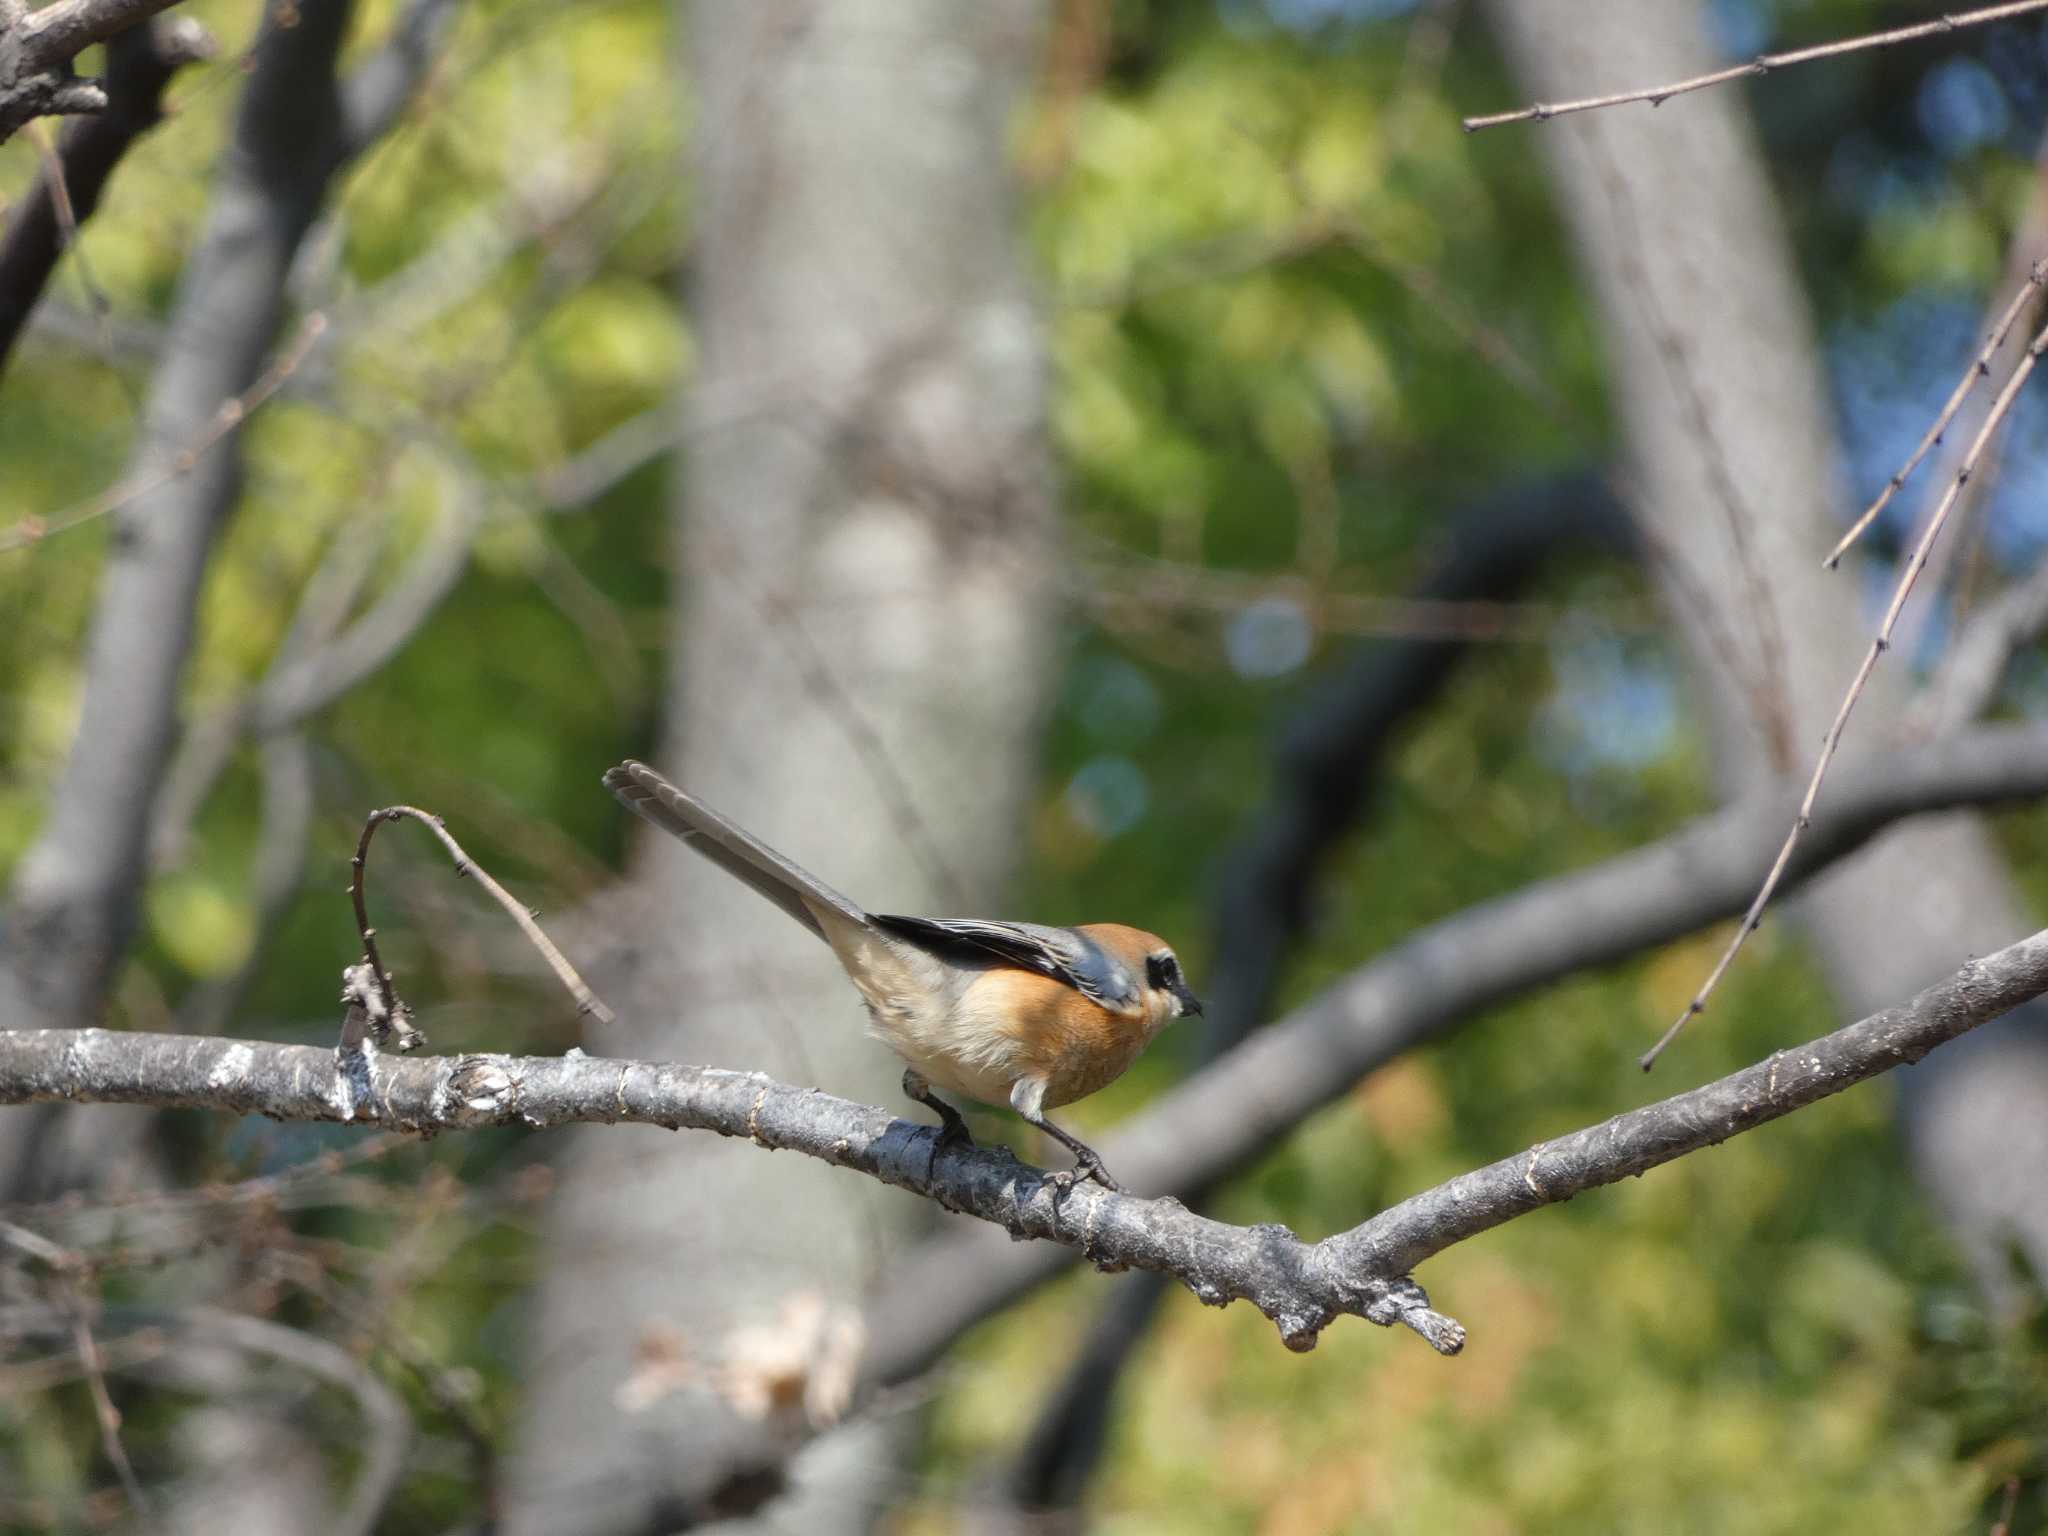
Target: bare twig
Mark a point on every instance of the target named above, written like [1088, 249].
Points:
[228, 418]
[577, 481]
[68, 1266]
[1753, 918]
[58, 186]
[586, 1000]
[1979, 368]
[384, 85]
[104, 1411]
[1762, 64]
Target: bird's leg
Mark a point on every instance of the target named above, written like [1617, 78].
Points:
[1027, 1097]
[1085, 1160]
[953, 1132]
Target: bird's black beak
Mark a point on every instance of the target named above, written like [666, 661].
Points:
[1190, 1005]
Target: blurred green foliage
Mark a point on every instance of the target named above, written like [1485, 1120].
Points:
[1252, 383]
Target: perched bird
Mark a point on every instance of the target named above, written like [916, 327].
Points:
[1007, 1013]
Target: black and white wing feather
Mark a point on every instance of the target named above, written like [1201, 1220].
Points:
[1065, 954]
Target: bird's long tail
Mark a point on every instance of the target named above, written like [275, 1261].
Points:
[740, 854]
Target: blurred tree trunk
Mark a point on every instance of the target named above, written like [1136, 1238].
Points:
[1730, 442]
[860, 651]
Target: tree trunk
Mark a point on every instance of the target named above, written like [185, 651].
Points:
[1730, 445]
[861, 645]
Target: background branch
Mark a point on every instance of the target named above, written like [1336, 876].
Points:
[37, 47]
[140, 63]
[387, 1426]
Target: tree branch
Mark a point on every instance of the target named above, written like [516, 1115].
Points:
[1265, 1265]
[140, 63]
[1302, 1287]
[37, 47]
[1553, 1171]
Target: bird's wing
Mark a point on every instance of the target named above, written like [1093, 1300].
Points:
[1064, 954]
[738, 852]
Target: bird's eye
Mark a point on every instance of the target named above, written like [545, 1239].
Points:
[1161, 970]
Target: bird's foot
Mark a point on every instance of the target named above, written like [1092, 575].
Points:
[1087, 1166]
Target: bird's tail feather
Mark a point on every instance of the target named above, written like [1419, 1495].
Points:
[734, 850]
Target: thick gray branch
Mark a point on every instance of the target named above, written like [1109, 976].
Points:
[1265, 1265]
[1302, 1287]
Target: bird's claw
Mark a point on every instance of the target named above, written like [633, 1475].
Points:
[1085, 1168]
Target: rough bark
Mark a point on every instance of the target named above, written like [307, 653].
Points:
[859, 656]
[1726, 423]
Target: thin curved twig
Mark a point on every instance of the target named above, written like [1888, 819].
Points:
[1762, 64]
[228, 417]
[1753, 918]
[1980, 367]
[395, 1011]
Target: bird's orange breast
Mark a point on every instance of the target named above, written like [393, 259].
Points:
[1056, 1033]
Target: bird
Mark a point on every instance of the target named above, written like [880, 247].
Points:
[1004, 1013]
